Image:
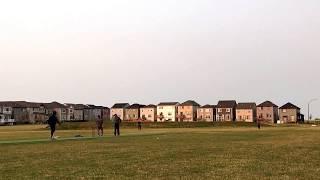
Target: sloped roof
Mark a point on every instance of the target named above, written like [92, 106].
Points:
[209, 106]
[168, 104]
[54, 105]
[267, 104]
[246, 105]
[227, 104]
[120, 105]
[136, 106]
[190, 103]
[289, 106]
[21, 104]
[150, 106]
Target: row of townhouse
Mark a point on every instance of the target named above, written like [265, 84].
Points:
[30, 112]
[191, 111]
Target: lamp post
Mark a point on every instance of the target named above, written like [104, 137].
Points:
[312, 100]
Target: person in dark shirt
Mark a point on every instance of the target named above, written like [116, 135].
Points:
[116, 120]
[139, 124]
[99, 123]
[259, 125]
[53, 120]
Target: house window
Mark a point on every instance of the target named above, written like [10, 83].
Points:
[293, 118]
[228, 110]
[149, 116]
[219, 110]
[228, 117]
[169, 114]
[160, 107]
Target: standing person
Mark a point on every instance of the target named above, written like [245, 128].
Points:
[259, 125]
[116, 124]
[139, 125]
[99, 123]
[53, 120]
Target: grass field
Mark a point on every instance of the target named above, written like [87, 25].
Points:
[163, 153]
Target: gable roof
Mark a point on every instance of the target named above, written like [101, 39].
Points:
[136, 106]
[289, 106]
[21, 104]
[190, 103]
[79, 106]
[267, 104]
[227, 104]
[53, 105]
[150, 106]
[168, 104]
[246, 105]
[209, 106]
[120, 105]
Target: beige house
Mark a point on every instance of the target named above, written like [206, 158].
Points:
[78, 112]
[132, 113]
[167, 112]
[290, 113]
[62, 110]
[246, 112]
[187, 111]
[206, 113]
[267, 112]
[226, 110]
[149, 113]
[119, 109]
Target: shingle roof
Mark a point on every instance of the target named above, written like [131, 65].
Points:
[246, 105]
[267, 104]
[227, 104]
[53, 105]
[120, 105]
[136, 106]
[190, 103]
[79, 106]
[20, 104]
[289, 106]
[168, 104]
[209, 106]
[150, 106]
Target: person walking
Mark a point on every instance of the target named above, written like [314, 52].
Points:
[116, 120]
[99, 123]
[259, 125]
[139, 125]
[53, 120]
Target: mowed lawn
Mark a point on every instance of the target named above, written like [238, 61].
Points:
[190, 153]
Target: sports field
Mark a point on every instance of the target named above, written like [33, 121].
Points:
[173, 153]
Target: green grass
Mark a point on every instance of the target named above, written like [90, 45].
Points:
[164, 153]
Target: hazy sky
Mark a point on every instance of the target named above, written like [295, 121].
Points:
[149, 51]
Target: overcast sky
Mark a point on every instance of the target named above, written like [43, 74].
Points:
[148, 51]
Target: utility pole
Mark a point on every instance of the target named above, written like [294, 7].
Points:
[312, 100]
